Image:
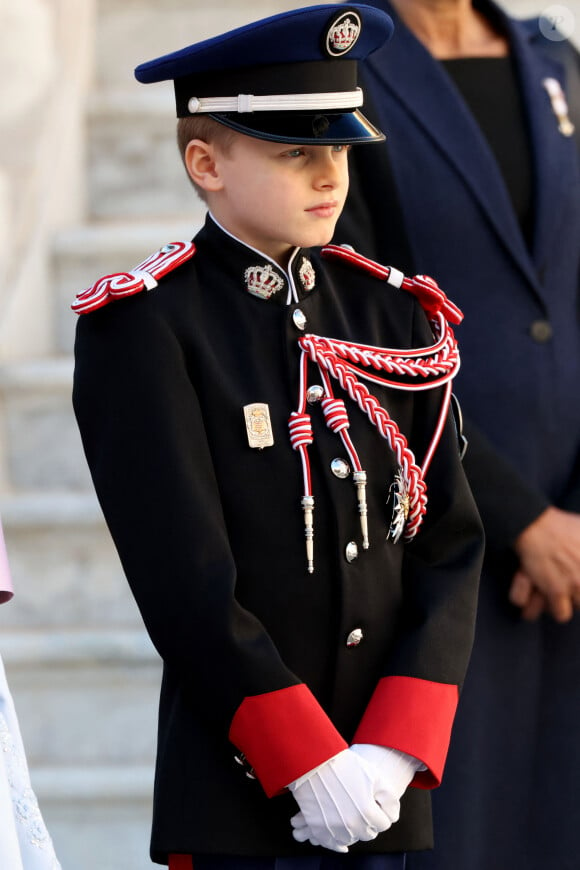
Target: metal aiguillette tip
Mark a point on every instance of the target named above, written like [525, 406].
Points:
[308, 507]
[360, 480]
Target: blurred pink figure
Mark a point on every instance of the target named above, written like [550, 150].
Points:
[6, 590]
[25, 843]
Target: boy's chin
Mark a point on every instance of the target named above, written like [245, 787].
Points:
[320, 238]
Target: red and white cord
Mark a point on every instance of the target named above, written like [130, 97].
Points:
[433, 366]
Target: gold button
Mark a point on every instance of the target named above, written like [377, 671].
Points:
[541, 331]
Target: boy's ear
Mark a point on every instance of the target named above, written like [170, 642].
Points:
[202, 166]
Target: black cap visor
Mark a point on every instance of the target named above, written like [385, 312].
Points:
[303, 128]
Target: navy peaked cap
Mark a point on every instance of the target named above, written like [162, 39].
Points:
[291, 77]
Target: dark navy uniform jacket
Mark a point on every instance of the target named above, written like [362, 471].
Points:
[433, 199]
[211, 536]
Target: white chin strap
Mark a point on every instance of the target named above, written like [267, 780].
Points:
[277, 102]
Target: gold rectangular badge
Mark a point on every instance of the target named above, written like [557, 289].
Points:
[258, 425]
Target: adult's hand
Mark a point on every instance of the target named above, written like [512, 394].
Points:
[523, 594]
[549, 553]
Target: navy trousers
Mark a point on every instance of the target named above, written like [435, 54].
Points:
[331, 861]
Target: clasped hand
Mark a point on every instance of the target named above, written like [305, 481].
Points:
[548, 577]
[346, 799]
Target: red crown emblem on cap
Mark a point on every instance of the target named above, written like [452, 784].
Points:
[343, 33]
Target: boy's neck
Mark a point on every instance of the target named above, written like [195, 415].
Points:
[451, 28]
[282, 258]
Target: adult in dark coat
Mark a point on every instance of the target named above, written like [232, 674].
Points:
[478, 184]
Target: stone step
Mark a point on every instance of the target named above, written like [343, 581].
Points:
[81, 255]
[134, 167]
[99, 817]
[41, 444]
[84, 697]
[90, 783]
[64, 565]
[87, 706]
[42, 448]
[132, 32]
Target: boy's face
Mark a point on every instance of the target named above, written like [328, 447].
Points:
[275, 196]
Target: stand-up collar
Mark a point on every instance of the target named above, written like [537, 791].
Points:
[254, 272]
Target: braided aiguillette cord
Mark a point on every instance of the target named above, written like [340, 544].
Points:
[434, 366]
[337, 421]
[301, 436]
[387, 428]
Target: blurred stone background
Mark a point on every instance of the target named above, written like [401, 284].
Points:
[90, 183]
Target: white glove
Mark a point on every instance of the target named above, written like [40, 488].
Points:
[337, 803]
[395, 771]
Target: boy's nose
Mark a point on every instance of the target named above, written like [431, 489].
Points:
[328, 173]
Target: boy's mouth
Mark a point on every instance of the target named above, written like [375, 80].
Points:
[324, 209]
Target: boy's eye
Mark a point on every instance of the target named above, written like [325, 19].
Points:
[342, 147]
[295, 152]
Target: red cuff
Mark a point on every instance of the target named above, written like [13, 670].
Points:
[283, 735]
[414, 716]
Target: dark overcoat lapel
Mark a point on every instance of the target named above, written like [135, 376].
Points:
[551, 150]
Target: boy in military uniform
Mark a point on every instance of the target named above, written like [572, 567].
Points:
[263, 421]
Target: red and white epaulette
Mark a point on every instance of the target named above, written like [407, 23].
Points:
[145, 276]
[431, 297]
